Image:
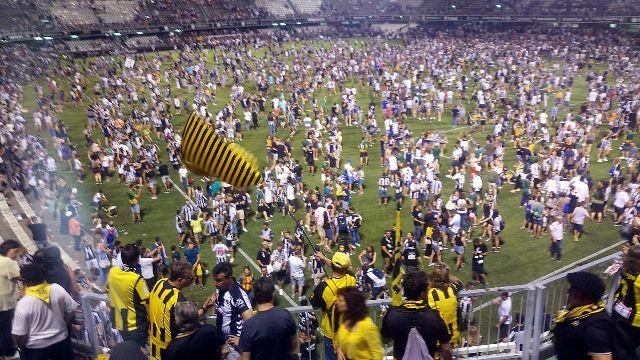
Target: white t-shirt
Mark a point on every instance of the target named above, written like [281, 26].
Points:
[393, 163]
[579, 214]
[296, 267]
[621, 199]
[183, 172]
[146, 267]
[44, 324]
[556, 230]
[220, 250]
[505, 310]
[454, 223]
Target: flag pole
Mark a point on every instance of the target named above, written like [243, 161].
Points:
[396, 277]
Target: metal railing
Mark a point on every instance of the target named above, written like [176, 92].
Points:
[533, 307]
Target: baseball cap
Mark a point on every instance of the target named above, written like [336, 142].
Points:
[588, 284]
[341, 260]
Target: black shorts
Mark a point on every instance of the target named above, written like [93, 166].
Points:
[477, 268]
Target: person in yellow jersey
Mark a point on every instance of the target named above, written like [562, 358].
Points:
[626, 306]
[442, 297]
[325, 294]
[129, 297]
[358, 336]
[162, 302]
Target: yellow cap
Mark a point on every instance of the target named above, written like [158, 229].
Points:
[341, 260]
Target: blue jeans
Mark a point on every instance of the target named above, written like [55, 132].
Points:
[272, 130]
[556, 249]
[329, 351]
[418, 233]
[355, 237]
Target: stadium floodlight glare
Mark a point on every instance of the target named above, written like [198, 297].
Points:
[613, 26]
[283, 24]
[117, 34]
[37, 38]
[73, 36]
[298, 23]
[453, 6]
[275, 24]
[499, 6]
[139, 33]
[178, 30]
[47, 38]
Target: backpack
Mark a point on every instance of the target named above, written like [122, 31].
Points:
[111, 237]
[342, 224]
[416, 347]
[377, 272]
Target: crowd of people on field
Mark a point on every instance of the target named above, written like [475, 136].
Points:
[507, 93]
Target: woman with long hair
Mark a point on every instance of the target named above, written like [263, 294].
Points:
[442, 297]
[358, 337]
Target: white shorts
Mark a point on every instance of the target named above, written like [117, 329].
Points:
[297, 281]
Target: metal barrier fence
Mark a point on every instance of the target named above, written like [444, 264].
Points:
[527, 336]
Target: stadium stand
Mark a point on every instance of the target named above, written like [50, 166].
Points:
[72, 14]
[143, 42]
[280, 8]
[308, 7]
[116, 11]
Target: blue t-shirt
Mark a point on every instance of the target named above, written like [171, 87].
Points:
[191, 255]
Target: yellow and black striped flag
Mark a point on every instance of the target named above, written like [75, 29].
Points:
[207, 154]
[398, 272]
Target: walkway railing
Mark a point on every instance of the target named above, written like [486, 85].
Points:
[533, 307]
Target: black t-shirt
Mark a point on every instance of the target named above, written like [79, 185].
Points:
[416, 214]
[264, 256]
[398, 321]
[241, 201]
[478, 251]
[267, 335]
[410, 256]
[203, 344]
[386, 242]
[575, 340]
[164, 170]
[39, 232]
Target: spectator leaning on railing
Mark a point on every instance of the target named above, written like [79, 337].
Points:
[271, 333]
[9, 274]
[129, 297]
[42, 316]
[325, 294]
[414, 313]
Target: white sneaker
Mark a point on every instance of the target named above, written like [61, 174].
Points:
[281, 292]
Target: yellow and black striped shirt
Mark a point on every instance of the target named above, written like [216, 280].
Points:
[627, 302]
[324, 297]
[129, 296]
[162, 302]
[446, 304]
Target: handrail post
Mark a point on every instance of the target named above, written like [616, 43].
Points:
[537, 321]
[615, 280]
[89, 323]
[529, 315]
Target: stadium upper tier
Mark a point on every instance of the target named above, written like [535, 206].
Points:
[65, 15]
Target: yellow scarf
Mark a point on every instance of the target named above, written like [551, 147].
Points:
[40, 291]
[578, 313]
[414, 304]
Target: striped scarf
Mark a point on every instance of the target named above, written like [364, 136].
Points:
[578, 313]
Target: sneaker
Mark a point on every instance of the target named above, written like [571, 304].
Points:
[245, 230]
[281, 292]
